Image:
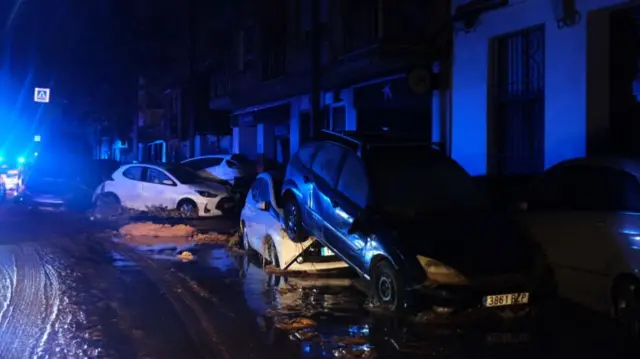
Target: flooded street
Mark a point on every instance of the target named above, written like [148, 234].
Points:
[67, 291]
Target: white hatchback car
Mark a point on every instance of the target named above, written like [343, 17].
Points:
[143, 186]
[261, 230]
[226, 167]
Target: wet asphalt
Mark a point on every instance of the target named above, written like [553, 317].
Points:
[68, 291]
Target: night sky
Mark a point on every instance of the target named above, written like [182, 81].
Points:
[88, 52]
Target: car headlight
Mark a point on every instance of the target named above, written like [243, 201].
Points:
[440, 273]
[207, 194]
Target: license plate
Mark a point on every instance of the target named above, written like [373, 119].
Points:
[506, 299]
[326, 252]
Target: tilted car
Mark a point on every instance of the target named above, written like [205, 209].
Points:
[410, 220]
[262, 231]
[145, 186]
[226, 167]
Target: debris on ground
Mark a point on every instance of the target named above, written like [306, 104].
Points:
[185, 256]
[269, 269]
[296, 324]
[350, 340]
[211, 238]
[349, 353]
[149, 229]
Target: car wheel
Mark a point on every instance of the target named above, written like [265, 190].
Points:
[188, 208]
[293, 220]
[108, 204]
[626, 305]
[388, 287]
[272, 252]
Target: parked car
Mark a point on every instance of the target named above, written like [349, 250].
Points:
[262, 231]
[586, 214]
[56, 187]
[226, 167]
[144, 186]
[410, 220]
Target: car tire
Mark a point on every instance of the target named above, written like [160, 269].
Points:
[626, 305]
[108, 199]
[188, 208]
[293, 219]
[388, 286]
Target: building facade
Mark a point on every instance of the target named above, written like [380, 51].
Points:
[537, 82]
[363, 51]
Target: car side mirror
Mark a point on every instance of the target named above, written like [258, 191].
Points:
[263, 206]
[168, 182]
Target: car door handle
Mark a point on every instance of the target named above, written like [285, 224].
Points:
[306, 179]
[335, 203]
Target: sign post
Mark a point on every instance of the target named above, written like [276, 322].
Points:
[41, 95]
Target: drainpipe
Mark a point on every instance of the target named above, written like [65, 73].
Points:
[316, 114]
[192, 83]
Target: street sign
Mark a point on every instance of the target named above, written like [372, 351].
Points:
[41, 95]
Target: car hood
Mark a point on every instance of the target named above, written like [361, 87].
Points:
[211, 187]
[475, 244]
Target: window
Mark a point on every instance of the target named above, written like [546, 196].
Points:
[586, 188]
[353, 181]
[517, 100]
[133, 173]
[246, 48]
[327, 162]
[260, 190]
[306, 153]
[157, 176]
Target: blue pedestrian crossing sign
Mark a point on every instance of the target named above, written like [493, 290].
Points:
[41, 95]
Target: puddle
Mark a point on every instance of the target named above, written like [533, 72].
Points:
[325, 316]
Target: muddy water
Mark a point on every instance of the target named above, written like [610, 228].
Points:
[327, 316]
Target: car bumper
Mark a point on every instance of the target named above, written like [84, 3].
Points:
[473, 296]
[211, 207]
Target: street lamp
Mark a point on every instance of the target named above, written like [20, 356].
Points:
[21, 159]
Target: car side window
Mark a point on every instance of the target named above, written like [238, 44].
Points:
[256, 191]
[353, 181]
[264, 193]
[586, 188]
[306, 153]
[133, 173]
[327, 163]
[157, 177]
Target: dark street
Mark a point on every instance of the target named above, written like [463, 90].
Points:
[70, 292]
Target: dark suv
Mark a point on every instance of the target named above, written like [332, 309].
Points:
[407, 217]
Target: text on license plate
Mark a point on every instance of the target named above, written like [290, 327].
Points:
[326, 252]
[506, 299]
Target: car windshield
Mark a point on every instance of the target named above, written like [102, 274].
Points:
[185, 175]
[415, 179]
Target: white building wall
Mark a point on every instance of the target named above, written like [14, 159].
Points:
[565, 80]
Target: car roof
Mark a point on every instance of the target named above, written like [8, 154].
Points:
[629, 165]
[206, 156]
